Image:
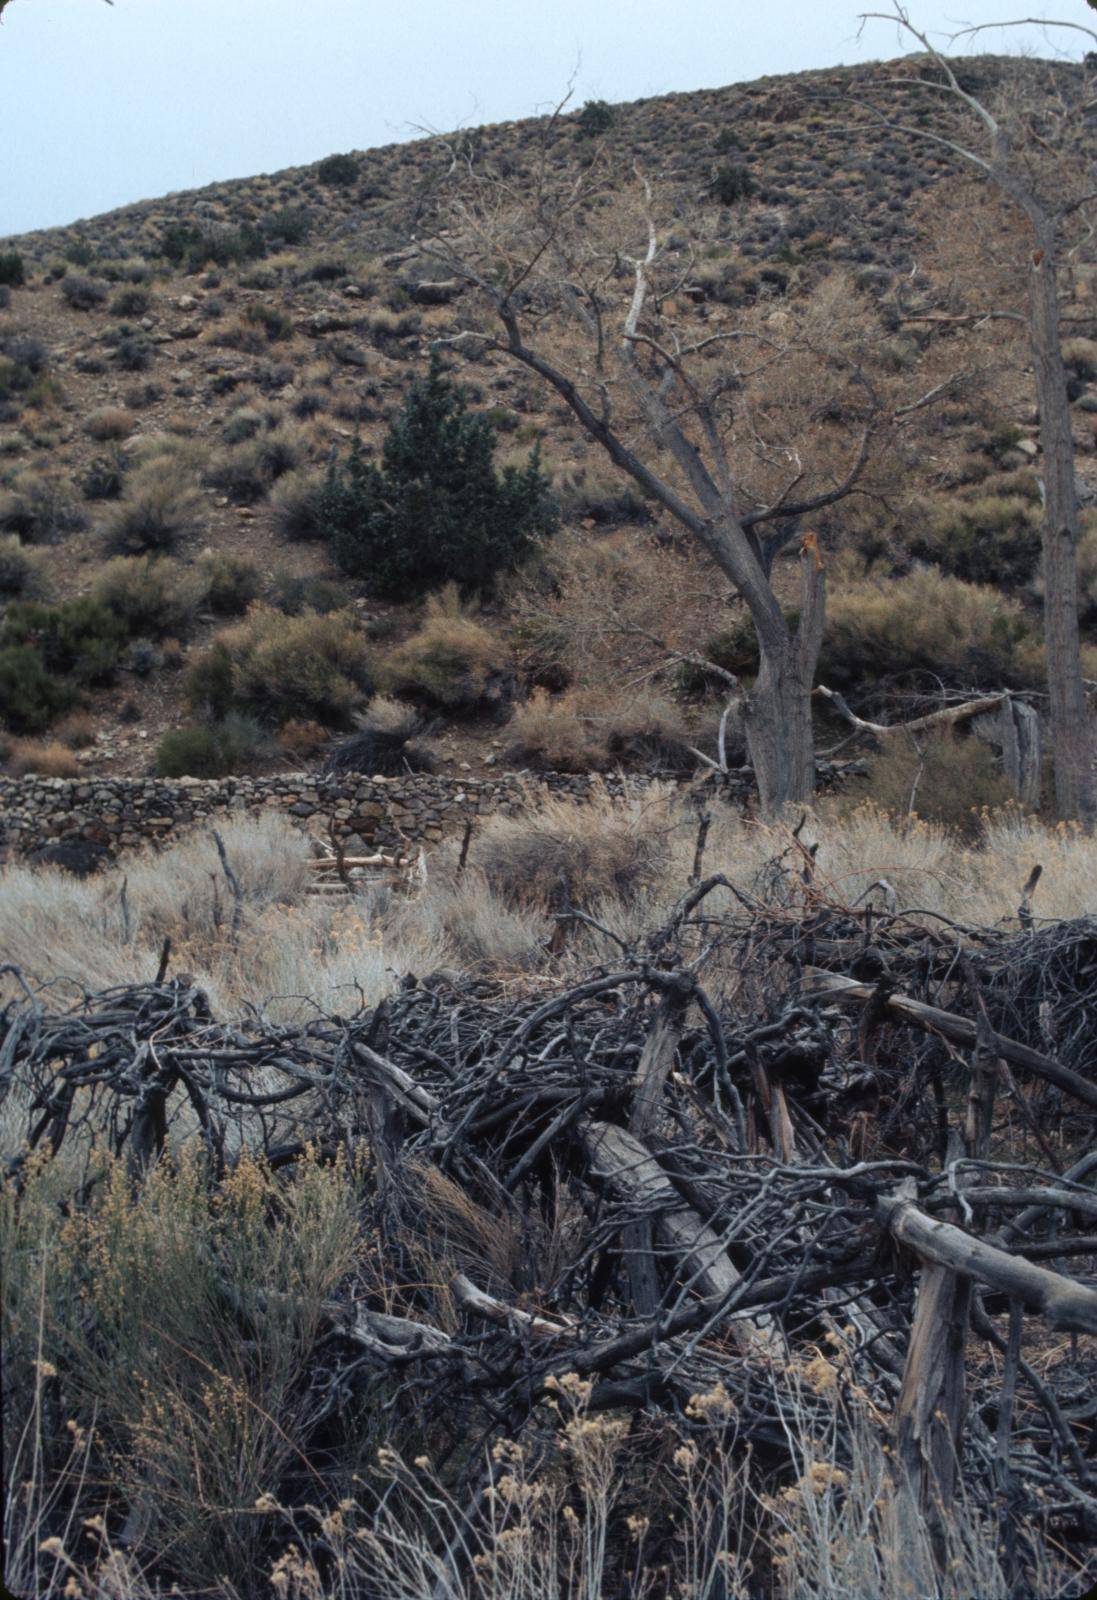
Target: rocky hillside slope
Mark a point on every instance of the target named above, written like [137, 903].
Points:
[175, 377]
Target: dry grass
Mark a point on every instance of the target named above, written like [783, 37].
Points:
[110, 422]
[49, 758]
[452, 662]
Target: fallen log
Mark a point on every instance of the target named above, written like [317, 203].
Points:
[1069, 1307]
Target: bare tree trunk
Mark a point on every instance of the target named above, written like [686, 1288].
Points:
[777, 717]
[1071, 735]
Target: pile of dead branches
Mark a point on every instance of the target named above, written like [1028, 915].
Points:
[884, 1128]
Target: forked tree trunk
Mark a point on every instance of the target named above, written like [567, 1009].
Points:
[778, 708]
[1071, 733]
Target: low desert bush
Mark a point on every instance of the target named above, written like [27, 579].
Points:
[338, 171]
[39, 509]
[590, 730]
[105, 477]
[21, 570]
[990, 538]
[160, 506]
[277, 668]
[275, 323]
[12, 269]
[564, 852]
[77, 639]
[109, 422]
[294, 592]
[246, 472]
[229, 582]
[48, 758]
[82, 294]
[131, 302]
[928, 626]
[212, 750]
[451, 663]
[297, 507]
[31, 696]
[948, 780]
[151, 595]
[1080, 357]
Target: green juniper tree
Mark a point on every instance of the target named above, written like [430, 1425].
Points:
[436, 510]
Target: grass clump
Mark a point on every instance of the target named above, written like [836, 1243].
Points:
[212, 750]
[47, 758]
[277, 669]
[297, 507]
[109, 422]
[246, 471]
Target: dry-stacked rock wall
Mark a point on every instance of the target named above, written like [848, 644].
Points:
[117, 814]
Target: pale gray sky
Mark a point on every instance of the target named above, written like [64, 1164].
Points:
[100, 106]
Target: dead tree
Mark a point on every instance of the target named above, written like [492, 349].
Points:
[589, 308]
[1027, 153]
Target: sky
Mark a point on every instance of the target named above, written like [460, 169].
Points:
[103, 105]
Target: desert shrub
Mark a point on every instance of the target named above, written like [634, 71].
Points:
[339, 171]
[190, 247]
[131, 302]
[78, 639]
[38, 509]
[297, 592]
[276, 669]
[132, 351]
[150, 595]
[595, 118]
[1080, 357]
[160, 506]
[104, 478]
[12, 269]
[452, 662]
[567, 852]
[301, 738]
[243, 423]
[49, 758]
[297, 507]
[732, 183]
[275, 323]
[230, 582]
[947, 780]
[246, 471]
[82, 294]
[212, 750]
[20, 569]
[590, 730]
[930, 626]
[79, 253]
[991, 538]
[109, 422]
[30, 696]
[287, 224]
[436, 510]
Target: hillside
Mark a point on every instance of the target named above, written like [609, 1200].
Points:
[199, 359]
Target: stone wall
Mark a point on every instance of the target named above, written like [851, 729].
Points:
[119, 813]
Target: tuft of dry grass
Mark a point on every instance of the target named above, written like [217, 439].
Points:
[451, 662]
[48, 758]
[588, 730]
[110, 422]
